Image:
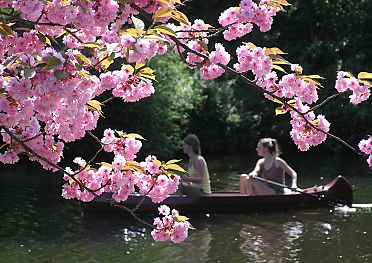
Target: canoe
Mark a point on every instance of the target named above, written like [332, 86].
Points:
[338, 191]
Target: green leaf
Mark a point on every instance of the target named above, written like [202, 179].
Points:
[364, 75]
[106, 164]
[181, 218]
[176, 167]
[60, 74]
[162, 12]
[6, 30]
[95, 104]
[28, 72]
[147, 73]
[203, 45]
[277, 101]
[51, 62]
[180, 17]
[138, 23]
[173, 161]
[108, 61]
[85, 74]
[279, 68]
[279, 111]
[348, 74]
[138, 66]
[135, 136]
[314, 77]
[166, 30]
[44, 39]
[120, 133]
[82, 59]
[91, 45]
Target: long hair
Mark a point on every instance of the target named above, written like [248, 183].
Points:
[271, 144]
[192, 139]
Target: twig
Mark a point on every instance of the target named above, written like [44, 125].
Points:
[113, 203]
[323, 102]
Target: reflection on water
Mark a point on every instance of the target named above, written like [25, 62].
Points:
[37, 225]
[269, 242]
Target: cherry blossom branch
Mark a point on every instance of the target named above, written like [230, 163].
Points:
[143, 198]
[323, 102]
[253, 84]
[59, 168]
[107, 100]
[32, 138]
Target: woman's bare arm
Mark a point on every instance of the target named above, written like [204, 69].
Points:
[199, 171]
[289, 170]
[257, 168]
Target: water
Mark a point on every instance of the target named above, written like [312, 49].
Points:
[37, 225]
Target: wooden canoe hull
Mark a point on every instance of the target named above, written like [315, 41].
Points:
[337, 191]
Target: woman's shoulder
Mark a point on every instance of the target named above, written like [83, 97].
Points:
[198, 161]
[279, 161]
[201, 160]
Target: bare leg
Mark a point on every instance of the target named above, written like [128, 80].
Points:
[242, 184]
[261, 189]
[246, 185]
[249, 186]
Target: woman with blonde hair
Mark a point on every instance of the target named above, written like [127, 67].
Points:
[270, 167]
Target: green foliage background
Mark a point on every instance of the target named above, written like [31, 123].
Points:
[228, 116]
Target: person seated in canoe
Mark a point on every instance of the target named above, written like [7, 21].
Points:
[270, 167]
[197, 181]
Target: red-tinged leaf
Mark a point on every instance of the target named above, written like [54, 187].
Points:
[250, 45]
[283, 2]
[274, 51]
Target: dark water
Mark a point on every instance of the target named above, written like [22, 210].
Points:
[37, 225]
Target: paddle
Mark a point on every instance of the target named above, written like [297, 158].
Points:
[331, 201]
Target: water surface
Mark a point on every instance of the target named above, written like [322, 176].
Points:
[37, 225]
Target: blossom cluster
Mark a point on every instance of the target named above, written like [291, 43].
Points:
[239, 20]
[253, 59]
[302, 133]
[171, 226]
[360, 92]
[122, 174]
[210, 64]
[365, 146]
